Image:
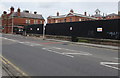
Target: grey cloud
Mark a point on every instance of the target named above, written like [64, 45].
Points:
[48, 4]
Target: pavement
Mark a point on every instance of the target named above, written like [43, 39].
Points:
[89, 44]
[37, 57]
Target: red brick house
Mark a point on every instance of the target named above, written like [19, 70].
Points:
[70, 17]
[19, 19]
[119, 13]
[112, 16]
[0, 24]
[107, 17]
[98, 15]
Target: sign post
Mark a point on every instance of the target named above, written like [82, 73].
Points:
[100, 30]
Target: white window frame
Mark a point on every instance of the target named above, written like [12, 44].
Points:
[80, 19]
[29, 21]
[34, 22]
[40, 22]
[26, 21]
[56, 21]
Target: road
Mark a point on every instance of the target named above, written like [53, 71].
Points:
[37, 57]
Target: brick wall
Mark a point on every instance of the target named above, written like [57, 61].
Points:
[113, 17]
[7, 22]
[67, 19]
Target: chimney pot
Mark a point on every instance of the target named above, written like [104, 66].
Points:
[26, 11]
[18, 11]
[57, 13]
[71, 11]
[4, 12]
[35, 12]
[12, 9]
[85, 13]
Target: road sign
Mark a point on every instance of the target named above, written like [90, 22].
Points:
[99, 29]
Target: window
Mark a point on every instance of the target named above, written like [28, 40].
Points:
[40, 22]
[80, 19]
[56, 21]
[83, 19]
[70, 19]
[35, 21]
[26, 21]
[29, 22]
[59, 21]
[64, 20]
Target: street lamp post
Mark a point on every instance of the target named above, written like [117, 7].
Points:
[44, 30]
[12, 24]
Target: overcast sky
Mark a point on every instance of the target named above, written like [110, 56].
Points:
[51, 7]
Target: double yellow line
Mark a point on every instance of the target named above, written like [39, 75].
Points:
[5, 61]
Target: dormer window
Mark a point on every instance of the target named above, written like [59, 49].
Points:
[64, 20]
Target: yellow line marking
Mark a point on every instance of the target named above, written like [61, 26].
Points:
[3, 61]
[18, 69]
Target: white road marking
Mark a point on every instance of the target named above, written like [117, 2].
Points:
[117, 58]
[10, 39]
[21, 42]
[56, 47]
[67, 54]
[57, 52]
[108, 64]
[31, 45]
[25, 43]
[76, 52]
[70, 54]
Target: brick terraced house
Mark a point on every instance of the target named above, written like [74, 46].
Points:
[0, 24]
[70, 17]
[19, 19]
[98, 15]
[105, 17]
[113, 16]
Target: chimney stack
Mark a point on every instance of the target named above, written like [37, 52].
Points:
[35, 12]
[4, 12]
[85, 13]
[71, 11]
[103, 14]
[18, 11]
[11, 9]
[26, 11]
[57, 13]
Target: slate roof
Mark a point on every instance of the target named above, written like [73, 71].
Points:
[27, 15]
[97, 15]
[70, 14]
[97, 10]
[113, 14]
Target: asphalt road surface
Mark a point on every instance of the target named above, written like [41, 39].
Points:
[37, 57]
